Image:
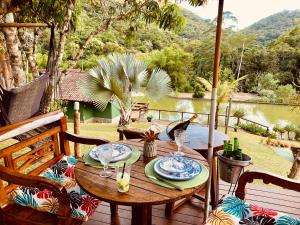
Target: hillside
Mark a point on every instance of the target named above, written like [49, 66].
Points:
[271, 27]
[195, 25]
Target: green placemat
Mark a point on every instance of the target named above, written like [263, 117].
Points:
[135, 155]
[200, 179]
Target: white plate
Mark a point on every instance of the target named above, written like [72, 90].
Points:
[177, 168]
[120, 152]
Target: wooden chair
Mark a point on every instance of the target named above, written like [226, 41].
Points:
[129, 133]
[252, 212]
[21, 167]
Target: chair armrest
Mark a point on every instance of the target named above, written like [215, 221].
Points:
[57, 189]
[84, 140]
[267, 178]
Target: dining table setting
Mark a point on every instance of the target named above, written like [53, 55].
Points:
[122, 173]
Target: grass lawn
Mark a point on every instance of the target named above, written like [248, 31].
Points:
[264, 157]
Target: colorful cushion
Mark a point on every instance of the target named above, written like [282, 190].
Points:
[233, 211]
[82, 204]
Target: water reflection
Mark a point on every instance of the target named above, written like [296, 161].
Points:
[261, 113]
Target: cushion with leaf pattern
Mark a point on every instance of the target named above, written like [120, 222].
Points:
[82, 204]
[234, 211]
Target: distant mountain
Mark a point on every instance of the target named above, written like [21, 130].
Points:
[271, 27]
[194, 26]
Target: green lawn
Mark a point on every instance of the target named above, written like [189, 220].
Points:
[264, 157]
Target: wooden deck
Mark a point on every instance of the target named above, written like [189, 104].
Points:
[192, 212]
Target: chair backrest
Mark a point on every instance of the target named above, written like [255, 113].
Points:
[23, 102]
[19, 157]
[129, 133]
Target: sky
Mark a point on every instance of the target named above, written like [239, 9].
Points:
[247, 11]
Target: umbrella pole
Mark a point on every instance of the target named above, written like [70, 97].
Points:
[213, 105]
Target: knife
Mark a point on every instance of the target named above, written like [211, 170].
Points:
[166, 182]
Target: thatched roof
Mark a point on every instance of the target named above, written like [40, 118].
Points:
[69, 86]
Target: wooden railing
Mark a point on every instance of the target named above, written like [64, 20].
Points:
[182, 113]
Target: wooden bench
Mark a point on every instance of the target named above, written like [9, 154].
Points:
[21, 166]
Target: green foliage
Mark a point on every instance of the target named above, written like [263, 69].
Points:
[199, 91]
[41, 60]
[271, 27]
[284, 93]
[267, 81]
[239, 113]
[254, 129]
[175, 61]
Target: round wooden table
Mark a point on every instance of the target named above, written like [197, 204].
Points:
[142, 193]
[197, 138]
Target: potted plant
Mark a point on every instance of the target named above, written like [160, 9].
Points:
[149, 137]
[149, 117]
[231, 161]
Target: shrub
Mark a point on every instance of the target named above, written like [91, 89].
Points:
[255, 129]
[269, 94]
[279, 129]
[284, 93]
[199, 91]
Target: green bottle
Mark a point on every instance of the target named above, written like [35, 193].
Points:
[229, 150]
[239, 154]
[225, 148]
[235, 144]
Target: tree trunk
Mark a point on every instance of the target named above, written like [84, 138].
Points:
[14, 52]
[85, 44]
[296, 165]
[6, 78]
[27, 42]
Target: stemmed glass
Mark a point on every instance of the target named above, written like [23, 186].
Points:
[180, 137]
[105, 156]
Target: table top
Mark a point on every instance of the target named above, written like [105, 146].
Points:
[197, 138]
[142, 191]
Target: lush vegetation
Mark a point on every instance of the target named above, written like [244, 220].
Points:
[256, 129]
[271, 27]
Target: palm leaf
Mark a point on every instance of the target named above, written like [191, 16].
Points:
[235, 206]
[26, 200]
[205, 83]
[50, 205]
[159, 84]
[219, 217]
[287, 220]
[95, 91]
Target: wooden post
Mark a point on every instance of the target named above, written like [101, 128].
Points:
[77, 128]
[228, 115]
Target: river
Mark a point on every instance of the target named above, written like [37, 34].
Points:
[266, 114]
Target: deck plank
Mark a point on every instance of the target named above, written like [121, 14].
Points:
[191, 213]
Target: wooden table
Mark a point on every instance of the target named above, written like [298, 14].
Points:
[142, 193]
[197, 139]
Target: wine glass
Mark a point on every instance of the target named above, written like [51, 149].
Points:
[180, 136]
[105, 156]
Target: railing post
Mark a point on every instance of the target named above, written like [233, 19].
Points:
[181, 116]
[159, 114]
[77, 128]
[208, 118]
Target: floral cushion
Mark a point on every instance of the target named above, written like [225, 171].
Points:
[82, 204]
[233, 211]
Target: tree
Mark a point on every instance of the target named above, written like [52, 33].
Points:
[239, 113]
[176, 62]
[289, 128]
[279, 129]
[118, 77]
[224, 92]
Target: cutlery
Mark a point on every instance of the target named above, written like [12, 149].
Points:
[166, 182]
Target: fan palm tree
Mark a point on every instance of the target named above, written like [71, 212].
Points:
[224, 92]
[118, 77]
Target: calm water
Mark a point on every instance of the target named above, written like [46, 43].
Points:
[261, 113]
